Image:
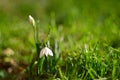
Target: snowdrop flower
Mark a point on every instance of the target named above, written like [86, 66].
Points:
[32, 21]
[46, 51]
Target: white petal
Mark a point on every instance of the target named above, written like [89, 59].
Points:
[50, 53]
[46, 52]
[42, 52]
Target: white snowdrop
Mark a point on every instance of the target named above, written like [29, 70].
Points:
[46, 51]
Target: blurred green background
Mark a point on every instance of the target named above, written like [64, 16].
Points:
[78, 22]
[99, 17]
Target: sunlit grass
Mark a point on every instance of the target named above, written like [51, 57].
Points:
[85, 44]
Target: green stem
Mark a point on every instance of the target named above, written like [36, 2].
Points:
[38, 52]
[35, 33]
[46, 66]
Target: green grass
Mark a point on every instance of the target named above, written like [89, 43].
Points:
[85, 42]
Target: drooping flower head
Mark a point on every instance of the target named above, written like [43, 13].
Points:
[46, 51]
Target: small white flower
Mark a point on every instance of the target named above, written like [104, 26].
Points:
[32, 21]
[46, 51]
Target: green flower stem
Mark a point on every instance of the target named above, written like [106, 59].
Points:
[38, 48]
[35, 33]
[38, 52]
[45, 64]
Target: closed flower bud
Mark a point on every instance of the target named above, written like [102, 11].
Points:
[32, 21]
[46, 51]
